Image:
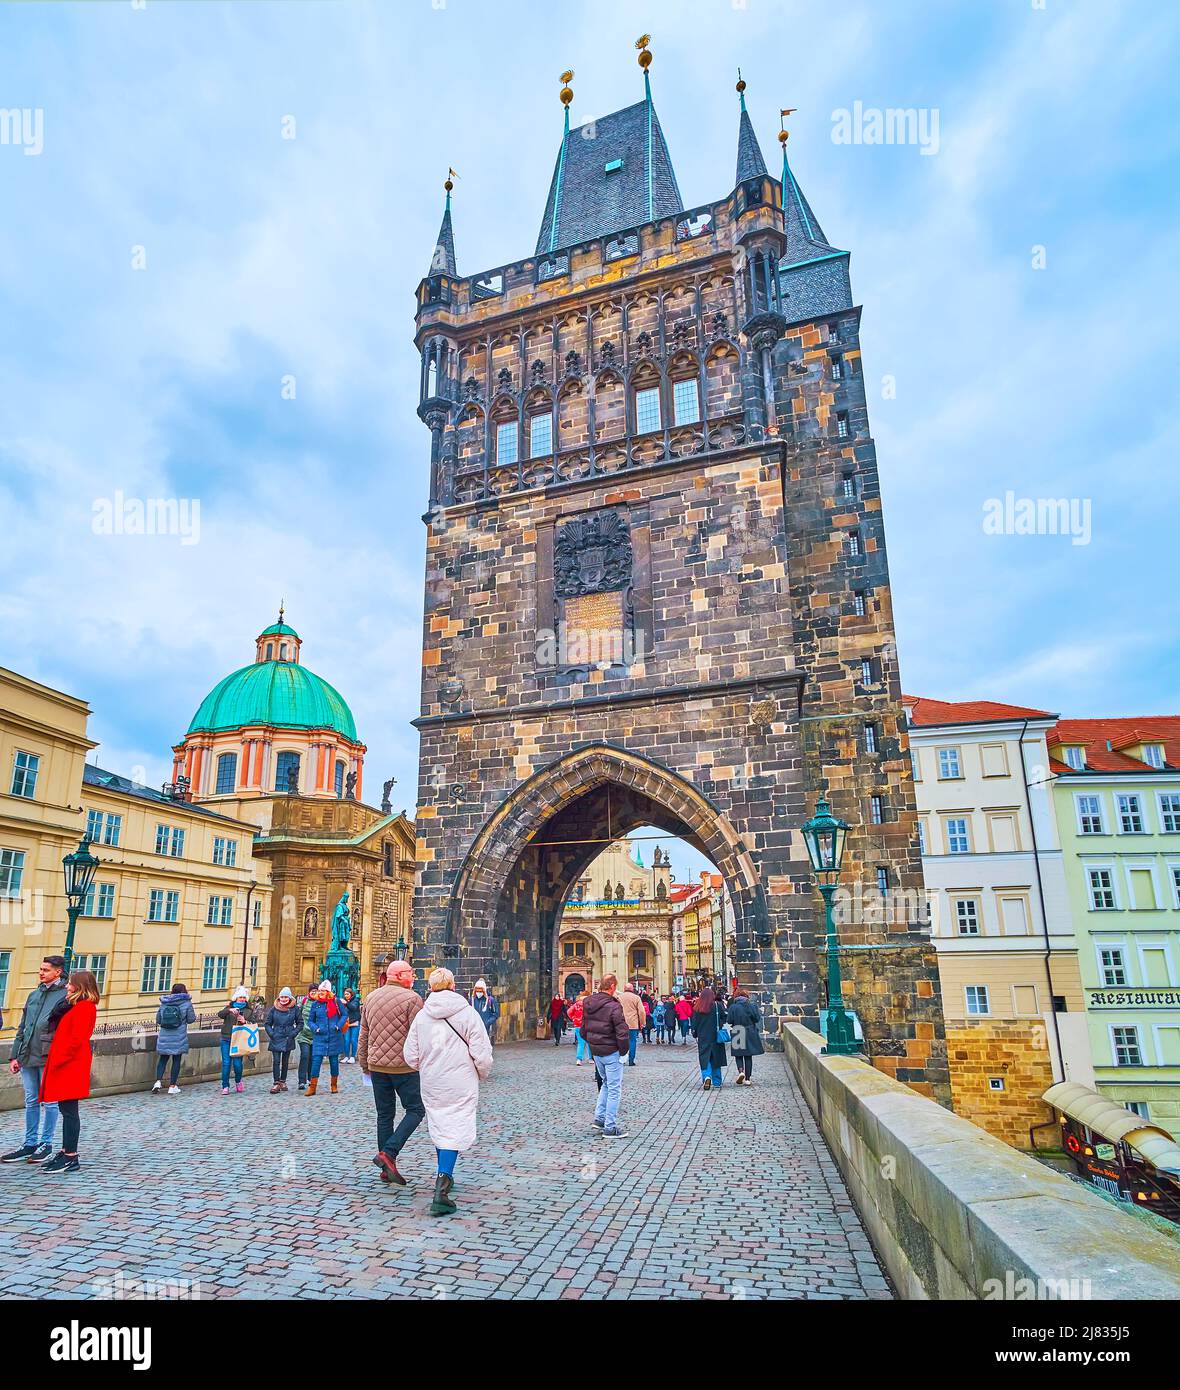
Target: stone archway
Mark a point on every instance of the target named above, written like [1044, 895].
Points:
[513, 883]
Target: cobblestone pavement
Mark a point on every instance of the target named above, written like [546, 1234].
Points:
[728, 1194]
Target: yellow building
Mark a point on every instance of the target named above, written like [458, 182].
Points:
[178, 895]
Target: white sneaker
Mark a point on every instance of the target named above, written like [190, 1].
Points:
[159, 1086]
[578, 1063]
[174, 1090]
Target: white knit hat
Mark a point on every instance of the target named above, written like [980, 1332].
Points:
[327, 984]
[285, 993]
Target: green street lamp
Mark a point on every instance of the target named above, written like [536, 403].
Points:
[78, 869]
[824, 835]
[401, 948]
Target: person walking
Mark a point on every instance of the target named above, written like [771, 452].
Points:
[646, 1001]
[30, 1048]
[745, 1029]
[575, 1016]
[283, 1022]
[707, 1019]
[556, 1019]
[326, 1021]
[386, 1016]
[173, 1018]
[234, 1013]
[449, 1046]
[683, 1016]
[487, 1006]
[303, 1038]
[636, 1016]
[657, 1018]
[604, 1026]
[66, 1076]
[352, 1034]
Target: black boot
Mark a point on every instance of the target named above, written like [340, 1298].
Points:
[442, 1204]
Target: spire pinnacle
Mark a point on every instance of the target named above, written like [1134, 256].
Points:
[443, 260]
[644, 60]
[282, 609]
[741, 88]
[750, 164]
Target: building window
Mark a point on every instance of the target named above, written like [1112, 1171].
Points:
[1112, 965]
[858, 603]
[24, 775]
[876, 809]
[105, 828]
[958, 840]
[215, 973]
[948, 764]
[967, 917]
[93, 825]
[170, 841]
[915, 765]
[1101, 890]
[97, 965]
[854, 544]
[286, 763]
[647, 410]
[1130, 813]
[1169, 813]
[225, 851]
[1089, 809]
[258, 914]
[540, 436]
[5, 971]
[842, 429]
[507, 442]
[870, 738]
[12, 871]
[921, 836]
[1153, 754]
[1076, 758]
[227, 773]
[686, 403]
[157, 975]
[163, 905]
[1175, 884]
[848, 486]
[338, 783]
[977, 1000]
[100, 901]
[837, 367]
[254, 970]
[882, 879]
[1127, 1052]
[221, 911]
[1138, 1107]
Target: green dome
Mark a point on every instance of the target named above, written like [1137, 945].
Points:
[279, 630]
[274, 692]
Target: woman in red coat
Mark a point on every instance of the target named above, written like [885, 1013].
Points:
[66, 1078]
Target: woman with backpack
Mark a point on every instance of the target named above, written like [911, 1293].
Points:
[745, 1023]
[173, 1018]
[657, 1018]
[66, 1077]
[352, 1036]
[231, 1016]
[283, 1023]
[326, 1021]
[708, 1020]
[303, 1037]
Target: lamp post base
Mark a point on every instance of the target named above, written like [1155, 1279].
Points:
[841, 1034]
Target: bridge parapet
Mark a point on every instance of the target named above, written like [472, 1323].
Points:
[955, 1213]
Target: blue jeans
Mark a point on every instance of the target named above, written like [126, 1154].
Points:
[226, 1059]
[583, 1050]
[611, 1070]
[31, 1081]
[633, 1034]
[713, 1074]
[317, 1061]
[446, 1161]
[352, 1040]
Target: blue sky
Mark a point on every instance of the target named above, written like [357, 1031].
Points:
[266, 258]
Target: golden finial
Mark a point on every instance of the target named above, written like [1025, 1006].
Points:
[641, 43]
[741, 82]
[566, 94]
[450, 175]
[282, 610]
[784, 134]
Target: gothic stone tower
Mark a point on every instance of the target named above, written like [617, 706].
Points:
[656, 585]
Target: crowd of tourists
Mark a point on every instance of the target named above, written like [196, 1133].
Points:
[426, 1055]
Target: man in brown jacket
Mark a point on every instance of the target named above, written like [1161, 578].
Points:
[636, 1016]
[386, 1016]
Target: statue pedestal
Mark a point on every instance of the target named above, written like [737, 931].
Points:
[342, 967]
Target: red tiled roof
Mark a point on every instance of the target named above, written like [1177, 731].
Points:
[1094, 734]
[931, 712]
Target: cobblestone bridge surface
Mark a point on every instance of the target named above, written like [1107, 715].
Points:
[728, 1194]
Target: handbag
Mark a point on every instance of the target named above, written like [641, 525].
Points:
[722, 1030]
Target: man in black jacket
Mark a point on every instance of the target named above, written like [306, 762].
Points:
[30, 1049]
[604, 1030]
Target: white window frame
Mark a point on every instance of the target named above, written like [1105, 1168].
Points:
[15, 867]
[946, 755]
[977, 905]
[1173, 867]
[1075, 757]
[1139, 811]
[1149, 944]
[30, 771]
[1110, 870]
[1164, 813]
[982, 996]
[1121, 951]
[1111, 1029]
[1078, 798]
[1158, 750]
[949, 836]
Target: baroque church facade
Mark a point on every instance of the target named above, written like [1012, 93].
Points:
[656, 582]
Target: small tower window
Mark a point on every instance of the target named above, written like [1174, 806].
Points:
[858, 603]
[541, 436]
[842, 425]
[837, 368]
[282, 651]
[854, 544]
[870, 738]
[686, 402]
[339, 779]
[432, 378]
[848, 485]
[270, 651]
[507, 443]
[286, 764]
[614, 166]
[647, 410]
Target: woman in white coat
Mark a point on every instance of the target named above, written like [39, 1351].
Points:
[448, 1046]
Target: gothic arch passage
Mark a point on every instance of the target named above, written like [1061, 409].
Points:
[510, 890]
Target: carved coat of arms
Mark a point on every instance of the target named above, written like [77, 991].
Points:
[591, 555]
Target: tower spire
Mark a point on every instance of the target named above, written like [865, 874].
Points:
[641, 43]
[567, 95]
[750, 164]
[443, 260]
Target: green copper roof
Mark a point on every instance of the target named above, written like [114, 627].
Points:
[279, 630]
[274, 692]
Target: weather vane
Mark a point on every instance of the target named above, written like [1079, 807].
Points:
[567, 92]
[783, 132]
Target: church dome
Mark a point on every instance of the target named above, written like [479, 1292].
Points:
[274, 692]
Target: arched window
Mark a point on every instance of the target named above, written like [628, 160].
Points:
[282, 651]
[270, 651]
[286, 764]
[339, 779]
[431, 378]
[227, 773]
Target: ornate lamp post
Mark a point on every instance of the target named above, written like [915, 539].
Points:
[401, 948]
[824, 835]
[78, 869]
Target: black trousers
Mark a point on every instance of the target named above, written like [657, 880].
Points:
[71, 1125]
[279, 1062]
[745, 1066]
[388, 1089]
[161, 1063]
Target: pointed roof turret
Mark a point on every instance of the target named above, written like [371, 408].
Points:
[750, 164]
[805, 237]
[611, 174]
[443, 260]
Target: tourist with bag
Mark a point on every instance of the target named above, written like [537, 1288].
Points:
[282, 1023]
[352, 1033]
[385, 1024]
[557, 1018]
[173, 1018]
[708, 1027]
[449, 1047]
[683, 1009]
[65, 1079]
[233, 1016]
[745, 1023]
[326, 1021]
[575, 1016]
[30, 1047]
[303, 1037]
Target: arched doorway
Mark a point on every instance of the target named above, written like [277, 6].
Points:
[509, 894]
